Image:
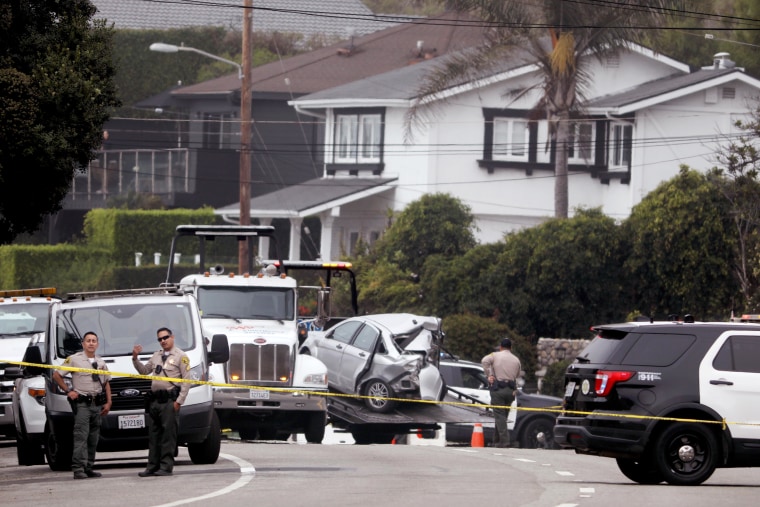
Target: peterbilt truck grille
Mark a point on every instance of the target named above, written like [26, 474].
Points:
[268, 364]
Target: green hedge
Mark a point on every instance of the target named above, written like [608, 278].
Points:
[124, 232]
[68, 268]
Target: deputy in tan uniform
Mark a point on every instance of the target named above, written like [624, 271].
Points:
[90, 398]
[166, 398]
[502, 369]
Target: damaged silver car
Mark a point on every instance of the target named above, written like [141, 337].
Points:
[382, 357]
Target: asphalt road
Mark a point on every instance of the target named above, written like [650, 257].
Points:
[285, 474]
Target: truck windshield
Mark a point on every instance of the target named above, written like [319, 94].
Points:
[246, 303]
[23, 318]
[121, 327]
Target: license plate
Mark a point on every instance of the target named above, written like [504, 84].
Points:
[569, 389]
[127, 422]
[256, 394]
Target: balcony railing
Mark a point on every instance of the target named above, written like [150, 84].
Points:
[120, 172]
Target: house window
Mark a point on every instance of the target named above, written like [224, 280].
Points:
[621, 136]
[220, 131]
[358, 138]
[581, 146]
[729, 93]
[353, 240]
[510, 139]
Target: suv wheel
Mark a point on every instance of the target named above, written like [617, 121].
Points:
[642, 472]
[686, 454]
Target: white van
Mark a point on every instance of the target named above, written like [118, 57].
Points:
[122, 319]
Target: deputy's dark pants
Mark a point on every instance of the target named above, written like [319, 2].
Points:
[504, 398]
[162, 435]
[86, 434]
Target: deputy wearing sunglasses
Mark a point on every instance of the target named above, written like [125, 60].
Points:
[164, 401]
[90, 398]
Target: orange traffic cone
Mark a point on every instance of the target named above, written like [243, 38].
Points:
[477, 436]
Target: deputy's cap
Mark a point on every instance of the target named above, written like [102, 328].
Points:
[506, 343]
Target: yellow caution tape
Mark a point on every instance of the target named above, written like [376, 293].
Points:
[553, 409]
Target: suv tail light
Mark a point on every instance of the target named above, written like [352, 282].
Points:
[606, 380]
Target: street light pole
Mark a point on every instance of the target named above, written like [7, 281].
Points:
[244, 73]
[245, 137]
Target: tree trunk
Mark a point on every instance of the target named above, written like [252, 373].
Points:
[560, 167]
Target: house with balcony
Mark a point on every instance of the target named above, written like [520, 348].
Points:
[191, 158]
[482, 142]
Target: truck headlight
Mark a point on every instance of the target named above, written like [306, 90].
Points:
[319, 379]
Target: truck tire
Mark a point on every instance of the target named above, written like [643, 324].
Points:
[365, 437]
[315, 428]
[207, 452]
[29, 452]
[538, 433]
[58, 451]
[248, 433]
[377, 392]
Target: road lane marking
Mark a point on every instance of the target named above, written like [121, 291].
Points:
[565, 474]
[246, 469]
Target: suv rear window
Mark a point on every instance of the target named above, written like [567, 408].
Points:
[602, 347]
[658, 349]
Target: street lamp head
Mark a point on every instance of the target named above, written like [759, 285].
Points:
[164, 48]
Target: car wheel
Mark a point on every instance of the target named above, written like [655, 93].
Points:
[538, 433]
[640, 471]
[686, 454]
[378, 393]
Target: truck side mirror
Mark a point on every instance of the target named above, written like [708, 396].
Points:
[220, 349]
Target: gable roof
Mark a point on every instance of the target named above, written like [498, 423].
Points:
[661, 90]
[309, 17]
[375, 53]
[402, 85]
[310, 197]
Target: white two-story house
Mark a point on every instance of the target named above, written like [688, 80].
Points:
[484, 143]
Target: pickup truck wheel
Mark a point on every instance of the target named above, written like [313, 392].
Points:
[207, 452]
[315, 428]
[640, 471]
[29, 452]
[686, 454]
[538, 433]
[58, 451]
[378, 392]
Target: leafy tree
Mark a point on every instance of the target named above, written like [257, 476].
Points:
[56, 91]
[560, 277]
[433, 224]
[681, 255]
[471, 337]
[740, 165]
[559, 36]
[458, 284]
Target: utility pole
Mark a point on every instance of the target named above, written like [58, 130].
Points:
[245, 135]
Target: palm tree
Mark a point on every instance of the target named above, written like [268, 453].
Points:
[557, 36]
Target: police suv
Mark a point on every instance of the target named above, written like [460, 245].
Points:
[669, 401]
[122, 319]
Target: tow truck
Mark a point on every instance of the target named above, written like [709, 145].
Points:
[271, 391]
